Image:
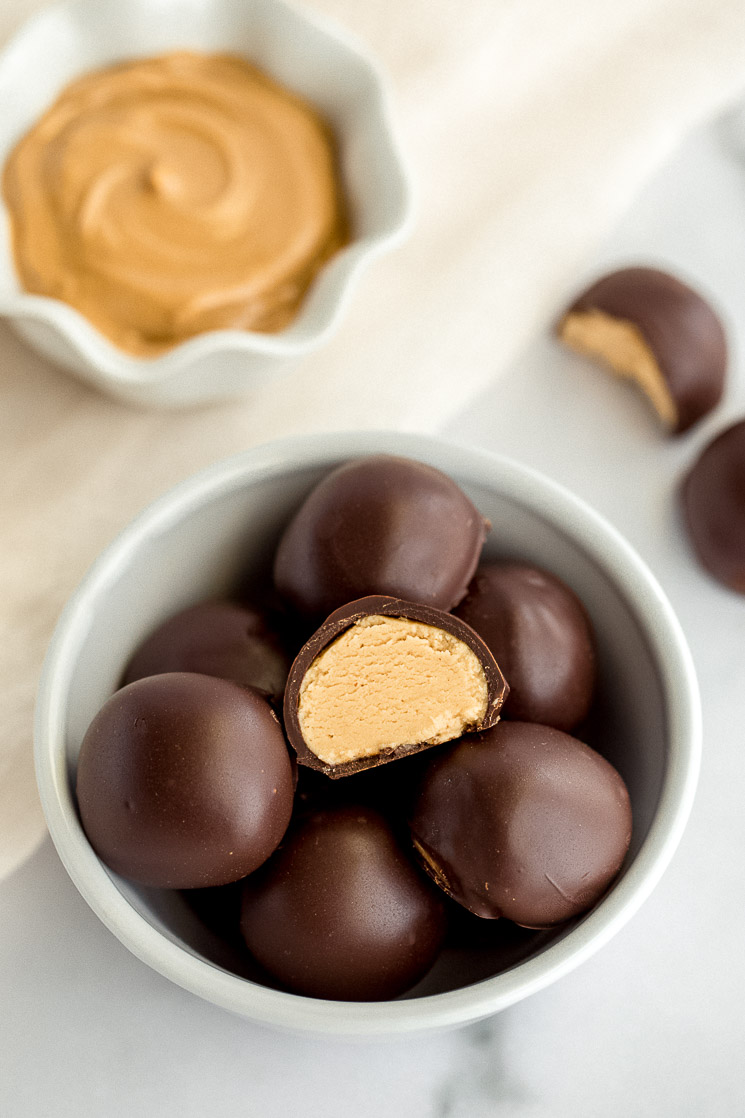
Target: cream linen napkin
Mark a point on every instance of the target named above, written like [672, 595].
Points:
[529, 126]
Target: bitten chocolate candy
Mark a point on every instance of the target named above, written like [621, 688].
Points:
[540, 636]
[341, 912]
[184, 781]
[713, 496]
[380, 525]
[219, 638]
[522, 821]
[384, 678]
[650, 327]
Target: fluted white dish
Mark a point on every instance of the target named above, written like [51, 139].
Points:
[221, 526]
[308, 54]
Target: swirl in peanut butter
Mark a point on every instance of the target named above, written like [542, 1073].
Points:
[174, 195]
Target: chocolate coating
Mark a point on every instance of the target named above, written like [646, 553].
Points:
[218, 638]
[713, 497]
[540, 636]
[343, 619]
[380, 525]
[680, 327]
[340, 911]
[184, 781]
[522, 821]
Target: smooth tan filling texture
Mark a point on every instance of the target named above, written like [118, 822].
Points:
[172, 195]
[388, 682]
[622, 347]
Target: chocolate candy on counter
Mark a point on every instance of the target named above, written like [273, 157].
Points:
[539, 634]
[219, 638]
[522, 821]
[340, 911]
[383, 678]
[713, 496]
[650, 327]
[380, 525]
[184, 781]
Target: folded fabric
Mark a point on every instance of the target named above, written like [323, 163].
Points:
[529, 126]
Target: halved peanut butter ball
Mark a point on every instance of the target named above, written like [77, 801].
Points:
[383, 678]
[649, 327]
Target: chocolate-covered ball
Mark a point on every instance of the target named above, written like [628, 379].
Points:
[184, 781]
[649, 326]
[340, 911]
[522, 821]
[539, 634]
[713, 496]
[380, 525]
[219, 638]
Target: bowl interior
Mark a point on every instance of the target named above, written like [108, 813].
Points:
[213, 535]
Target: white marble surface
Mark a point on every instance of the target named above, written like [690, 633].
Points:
[652, 1027]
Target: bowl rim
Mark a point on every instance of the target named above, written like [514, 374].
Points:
[569, 515]
[117, 367]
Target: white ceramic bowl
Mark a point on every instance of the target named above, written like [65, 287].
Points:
[303, 51]
[198, 539]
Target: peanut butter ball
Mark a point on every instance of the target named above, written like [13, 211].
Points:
[524, 822]
[540, 635]
[379, 525]
[219, 638]
[713, 497]
[650, 327]
[184, 781]
[340, 911]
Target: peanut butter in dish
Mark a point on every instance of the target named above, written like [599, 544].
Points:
[173, 195]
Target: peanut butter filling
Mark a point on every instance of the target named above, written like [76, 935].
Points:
[622, 346]
[174, 195]
[388, 682]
